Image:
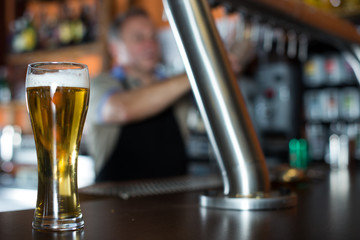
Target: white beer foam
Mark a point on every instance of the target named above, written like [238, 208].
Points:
[63, 78]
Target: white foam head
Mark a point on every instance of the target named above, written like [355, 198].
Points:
[62, 78]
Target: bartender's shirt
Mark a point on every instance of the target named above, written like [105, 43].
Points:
[101, 138]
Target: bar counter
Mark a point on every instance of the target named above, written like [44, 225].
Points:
[328, 208]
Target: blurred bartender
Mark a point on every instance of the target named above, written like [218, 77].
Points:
[132, 129]
[137, 115]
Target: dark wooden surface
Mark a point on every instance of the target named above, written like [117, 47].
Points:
[328, 208]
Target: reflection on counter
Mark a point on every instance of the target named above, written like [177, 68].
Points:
[340, 197]
[241, 224]
[67, 235]
[339, 185]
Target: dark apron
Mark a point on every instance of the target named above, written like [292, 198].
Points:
[148, 149]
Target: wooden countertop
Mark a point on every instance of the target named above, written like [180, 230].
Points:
[328, 208]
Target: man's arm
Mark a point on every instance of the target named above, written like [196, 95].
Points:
[141, 103]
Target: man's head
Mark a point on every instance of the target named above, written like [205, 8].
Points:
[133, 41]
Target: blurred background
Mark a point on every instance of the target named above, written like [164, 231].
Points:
[302, 94]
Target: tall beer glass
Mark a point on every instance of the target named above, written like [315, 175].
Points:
[57, 97]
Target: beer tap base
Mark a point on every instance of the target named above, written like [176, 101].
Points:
[275, 200]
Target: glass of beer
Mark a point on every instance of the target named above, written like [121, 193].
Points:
[57, 98]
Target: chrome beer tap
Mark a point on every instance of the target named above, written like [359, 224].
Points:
[230, 130]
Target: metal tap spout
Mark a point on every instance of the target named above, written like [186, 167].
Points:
[222, 106]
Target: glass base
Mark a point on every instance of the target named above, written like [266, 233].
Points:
[53, 224]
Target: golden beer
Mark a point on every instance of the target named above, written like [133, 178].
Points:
[57, 113]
